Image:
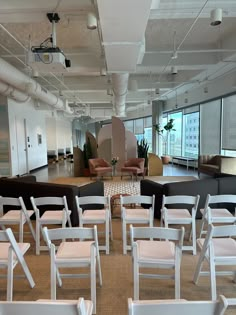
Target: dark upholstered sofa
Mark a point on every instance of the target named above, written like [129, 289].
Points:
[27, 186]
[202, 187]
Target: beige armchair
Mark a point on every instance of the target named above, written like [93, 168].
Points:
[133, 166]
[99, 167]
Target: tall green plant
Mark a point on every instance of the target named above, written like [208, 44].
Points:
[168, 127]
[142, 147]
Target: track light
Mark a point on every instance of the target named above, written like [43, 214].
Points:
[103, 71]
[205, 89]
[216, 17]
[174, 70]
[157, 91]
[91, 21]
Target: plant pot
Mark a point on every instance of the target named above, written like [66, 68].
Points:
[165, 159]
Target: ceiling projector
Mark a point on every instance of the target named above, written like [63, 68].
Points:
[44, 58]
[48, 59]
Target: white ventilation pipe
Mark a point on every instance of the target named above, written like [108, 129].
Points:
[120, 87]
[7, 90]
[22, 82]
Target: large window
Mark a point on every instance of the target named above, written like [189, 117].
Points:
[190, 134]
[175, 137]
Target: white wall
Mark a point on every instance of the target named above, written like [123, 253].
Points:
[35, 125]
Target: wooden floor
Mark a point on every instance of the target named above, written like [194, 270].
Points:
[66, 169]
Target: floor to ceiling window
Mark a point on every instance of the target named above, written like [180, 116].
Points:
[175, 136]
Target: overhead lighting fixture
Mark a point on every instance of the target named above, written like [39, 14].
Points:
[157, 91]
[103, 71]
[206, 89]
[110, 92]
[174, 70]
[92, 22]
[216, 17]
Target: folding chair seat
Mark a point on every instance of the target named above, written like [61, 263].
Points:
[183, 307]
[78, 249]
[217, 215]
[219, 249]
[12, 253]
[154, 247]
[181, 216]
[51, 216]
[19, 216]
[132, 212]
[96, 216]
[47, 307]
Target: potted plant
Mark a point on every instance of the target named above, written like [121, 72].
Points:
[164, 133]
[142, 147]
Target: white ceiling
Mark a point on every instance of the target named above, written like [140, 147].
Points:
[133, 36]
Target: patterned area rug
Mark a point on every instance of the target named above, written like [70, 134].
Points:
[122, 187]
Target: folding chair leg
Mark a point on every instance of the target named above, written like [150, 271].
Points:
[27, 272]
[198, 267]
[21, 231]
[107, 238]
[193, 233]
[213, 280]
[136, 280]
[93, 278]
[202, 227]
[32, 230]
[111, 232]
[53, 275]
[10, 276]
[124, 238]
[37, 238]
[177, 276]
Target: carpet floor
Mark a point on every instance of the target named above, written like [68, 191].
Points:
[117, 280]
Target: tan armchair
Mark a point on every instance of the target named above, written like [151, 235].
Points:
[216, 164]
[133, 166]
[99, 167]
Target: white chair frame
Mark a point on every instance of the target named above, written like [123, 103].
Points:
[140, 237]
[12, 253]
[49, 216]
[47, 307]
[183, 307]
[77, 259]
[181, 216]
[219, 249]
[16, 217]
[96, 216]
[217, 215]
[134, 215]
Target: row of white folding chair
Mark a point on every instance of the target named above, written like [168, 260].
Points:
[12, 253]
[156, 247]
[78, 248]
[47, 307]
[183, 307]
[212, 215]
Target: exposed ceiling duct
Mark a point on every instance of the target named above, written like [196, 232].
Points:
[23, 85]
[120, 87]
[7, 90]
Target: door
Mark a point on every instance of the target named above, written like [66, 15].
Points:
[21, 146]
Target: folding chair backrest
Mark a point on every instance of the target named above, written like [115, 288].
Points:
[170, 307]
[182, 199]
[221, 231]
[211, 199]
[41, 201]
[138, 199]
[156, 233]
[103, 200]
[44, 307]
[70, 233]
[9, 201]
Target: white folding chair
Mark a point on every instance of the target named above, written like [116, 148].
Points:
[149, 252]
[181, 216]
[49, 216]
[96, 216]
[219, 249]
[183, 307]
[47, 307]
[132, 212]
[11, 253]
[80, 251]
[217, 215]
[19, 216]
